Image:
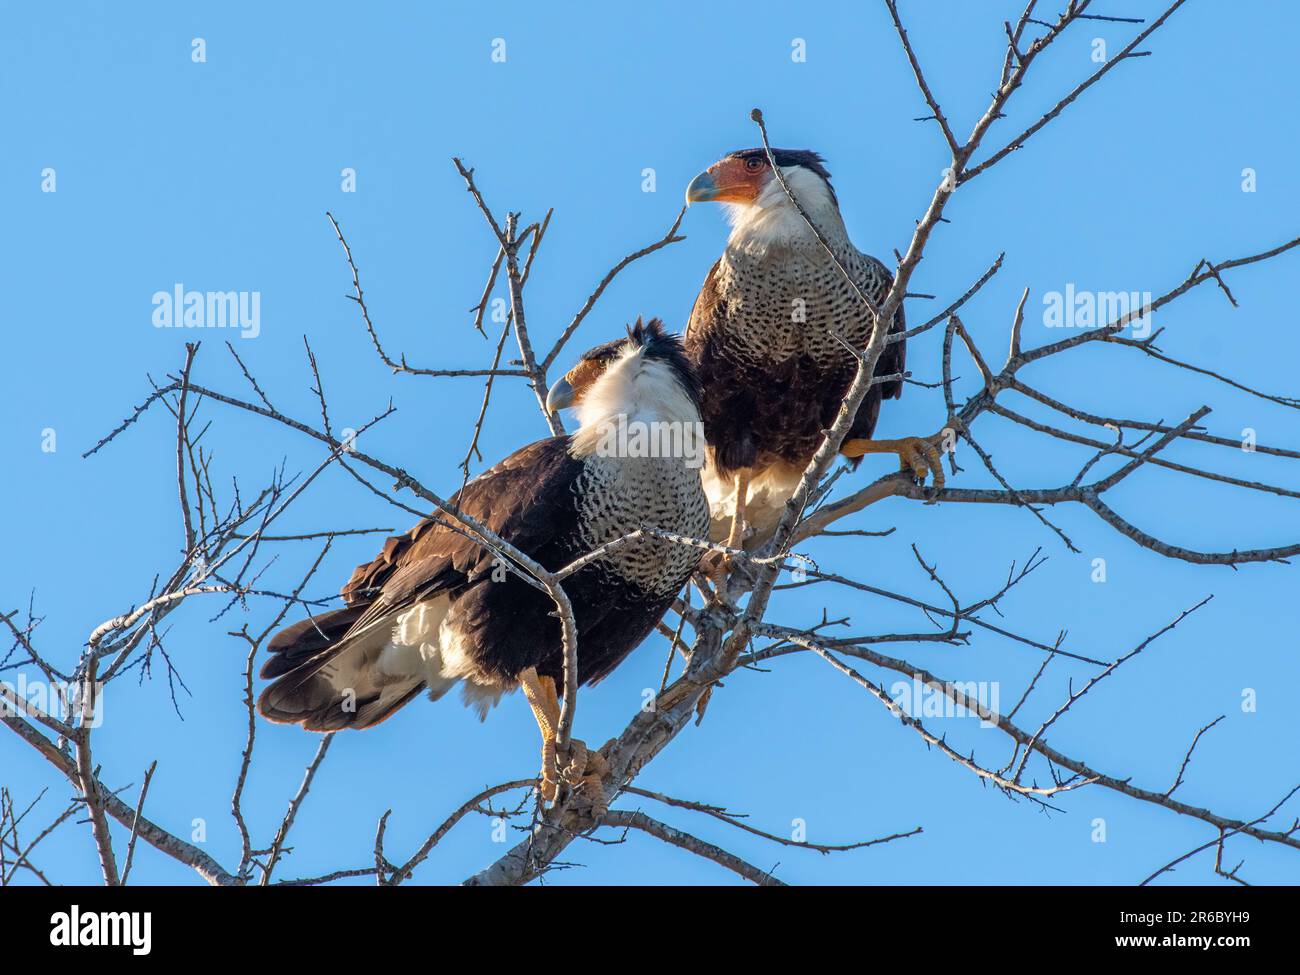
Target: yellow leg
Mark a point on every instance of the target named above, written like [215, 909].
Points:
[737, 537]
[579, 768]
[540, 692]
[916, 454]
[717, 564]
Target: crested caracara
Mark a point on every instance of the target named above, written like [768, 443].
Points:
[436, 609]
[768, 337]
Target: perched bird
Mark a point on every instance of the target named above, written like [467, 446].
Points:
[436, 607]
[772, 337]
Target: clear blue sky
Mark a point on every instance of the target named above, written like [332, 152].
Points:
[218, 175]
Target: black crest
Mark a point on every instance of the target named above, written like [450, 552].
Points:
[785, 158]
[667, 347]
[656, 343]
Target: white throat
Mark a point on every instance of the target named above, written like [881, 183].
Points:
[632, 390]
[772, 221]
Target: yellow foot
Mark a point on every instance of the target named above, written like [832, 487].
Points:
[716, 572]
[723, 572]
[713, 580]
[574, 765]
[919, 455]
[584, 772]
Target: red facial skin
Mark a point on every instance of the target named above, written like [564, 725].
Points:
[581, 376]
[739, 180]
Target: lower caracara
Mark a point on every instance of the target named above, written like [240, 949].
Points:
[435, 608]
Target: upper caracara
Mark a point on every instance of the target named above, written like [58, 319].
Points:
[763, 338]
[436, 608]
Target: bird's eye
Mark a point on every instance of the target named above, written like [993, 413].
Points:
[755, 163]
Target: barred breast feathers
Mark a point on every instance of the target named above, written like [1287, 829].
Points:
[623, 488]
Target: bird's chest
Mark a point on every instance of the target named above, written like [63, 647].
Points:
[618, 496]
[791, 305]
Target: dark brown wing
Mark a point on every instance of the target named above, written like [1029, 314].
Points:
[731, 399]
[874, 278]
[527, 499]
[703, 313]
[893, 359]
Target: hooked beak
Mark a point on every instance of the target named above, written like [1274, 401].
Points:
[559, 396]
[702, 189]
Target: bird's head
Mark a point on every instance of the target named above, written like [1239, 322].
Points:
[760, 210]
[643, 376]
[745, 177]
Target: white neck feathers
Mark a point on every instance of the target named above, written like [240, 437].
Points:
[772, 221]
[632, 389]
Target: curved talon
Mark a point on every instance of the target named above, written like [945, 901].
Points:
[593, 790]
[584, 774]
[575, 768]
[593, 784]
[919, 455]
